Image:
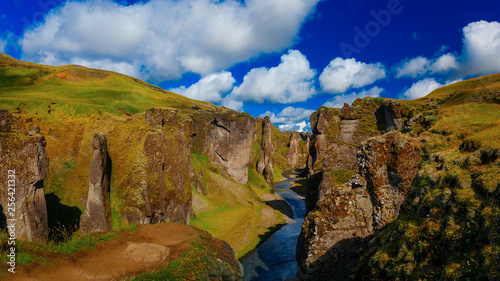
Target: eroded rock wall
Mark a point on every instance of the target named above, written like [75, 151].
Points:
[157, 188]
[298, 150]
[25, 154]
[335, 232]
[226, 138]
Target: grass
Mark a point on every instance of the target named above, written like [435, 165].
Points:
[227, 205]
[225, 223]
[194, 264]
[92, 92]
[341, 176]
[475, 122]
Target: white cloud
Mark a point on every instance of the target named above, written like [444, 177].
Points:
[299, 127]
[288, 115]
[232, 103]
[413, 67]
[291, 81]
[339, 100]
[481, 48]
[3, 44]
[420, 66]
[291, 118]
[210, 88]
[161, 40]
[480, 55]
[444, 64]
[421, 88]
[342, 74]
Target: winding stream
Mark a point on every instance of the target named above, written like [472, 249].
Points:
[275, 258]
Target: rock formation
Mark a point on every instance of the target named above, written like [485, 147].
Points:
[229, 144]
[157, 188]
[97, 214]
[159, 117]
[345, 215]
[265, 163]
[23, 153]
[298, 152]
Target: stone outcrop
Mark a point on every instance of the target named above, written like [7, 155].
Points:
[298, 149]
[229, 144]
[159, 117]
[393, 115]
[265, 163]
[157, 188]
[24, 154]
[97, 214]
[337, 134]
[335, 232]
[146, 252]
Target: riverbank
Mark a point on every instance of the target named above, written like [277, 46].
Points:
[245, 218]
[275, 257]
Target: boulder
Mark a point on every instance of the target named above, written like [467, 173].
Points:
[146, 252]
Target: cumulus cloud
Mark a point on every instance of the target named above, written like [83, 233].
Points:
[481, 48]
[210, 88]
[342, 74]
[420, 66]
[421, 88]
[3, 43]
[339, 100]
[291, 81]
[289, 114]
[291, 118]
[444, 64]
[161, 40]
[413, 67]
[299, 127]
[480, 55]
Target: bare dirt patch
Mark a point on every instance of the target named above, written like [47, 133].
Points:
[108, 261]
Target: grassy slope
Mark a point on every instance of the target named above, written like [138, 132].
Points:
[77, 90]
[70, 103]
[228, 205]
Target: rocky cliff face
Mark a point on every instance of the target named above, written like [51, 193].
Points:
[157, 189]
[298, 149]
[226, 139]
[97, 214]
[265, 163]
[334, 142]
[345, 215]
[24, 153]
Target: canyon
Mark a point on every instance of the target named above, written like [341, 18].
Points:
[372, 171]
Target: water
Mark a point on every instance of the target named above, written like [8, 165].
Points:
[275, 258]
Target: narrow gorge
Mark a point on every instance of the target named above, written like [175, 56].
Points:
[390, 187]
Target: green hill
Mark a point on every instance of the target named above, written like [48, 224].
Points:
[50, 91]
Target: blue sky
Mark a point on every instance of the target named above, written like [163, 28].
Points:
[283, 58]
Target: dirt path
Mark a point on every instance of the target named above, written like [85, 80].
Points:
[108, 262]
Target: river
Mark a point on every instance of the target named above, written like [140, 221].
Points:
[275, 258]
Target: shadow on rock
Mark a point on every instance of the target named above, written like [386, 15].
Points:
[63, 220]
